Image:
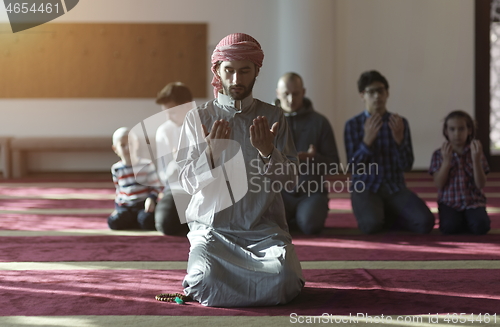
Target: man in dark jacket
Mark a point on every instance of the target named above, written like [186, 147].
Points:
[307, 206]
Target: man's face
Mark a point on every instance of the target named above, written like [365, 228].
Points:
[291, 94]
[237, 77]
[375, 97]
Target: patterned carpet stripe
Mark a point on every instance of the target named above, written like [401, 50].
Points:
[51, 185]
[97, 196]
[433, 209]
[231, 321]
[107, 211]
[78, 232]
[92, 195]
[67, 196]
[425, 195]
[380, 247]
[182, 265]
[104, 232]
[92, 211]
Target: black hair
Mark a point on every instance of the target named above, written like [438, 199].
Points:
[369, 77]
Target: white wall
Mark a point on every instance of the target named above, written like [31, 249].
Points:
[423, 47]
[100, 117]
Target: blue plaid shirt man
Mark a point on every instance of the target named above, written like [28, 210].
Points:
[384, 162]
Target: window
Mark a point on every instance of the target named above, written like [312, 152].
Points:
[495, 77]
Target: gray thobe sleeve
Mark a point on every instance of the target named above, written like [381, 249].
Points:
[194, 164]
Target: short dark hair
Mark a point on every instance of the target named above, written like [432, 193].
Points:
[176, 92]
[468, 121]
[369, 77]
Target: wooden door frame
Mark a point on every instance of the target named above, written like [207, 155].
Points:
[482, 79]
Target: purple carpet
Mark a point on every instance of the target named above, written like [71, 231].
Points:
[401, 247]
[337, 292]
[334, 291]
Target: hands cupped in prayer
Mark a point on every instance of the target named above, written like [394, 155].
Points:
[372, 126]
[217, 138]
[261, 137]
[476, 150]
[311, 152]
[447, 151]
[397, 127]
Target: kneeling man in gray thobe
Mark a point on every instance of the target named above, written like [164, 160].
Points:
[236, 155]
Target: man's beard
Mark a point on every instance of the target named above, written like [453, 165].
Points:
[246, 90]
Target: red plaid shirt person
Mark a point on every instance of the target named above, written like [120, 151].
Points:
[460, 191]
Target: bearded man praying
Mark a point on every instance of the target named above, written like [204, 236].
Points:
[232, 149]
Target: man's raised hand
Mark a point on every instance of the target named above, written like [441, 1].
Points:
[217, 138]
[372, 126]
[397, 127]
[310, 153]
[261, 137]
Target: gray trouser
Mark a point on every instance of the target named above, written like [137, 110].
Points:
[381, 210]
[307, 211]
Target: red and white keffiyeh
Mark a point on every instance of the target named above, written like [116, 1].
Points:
[235, 47]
